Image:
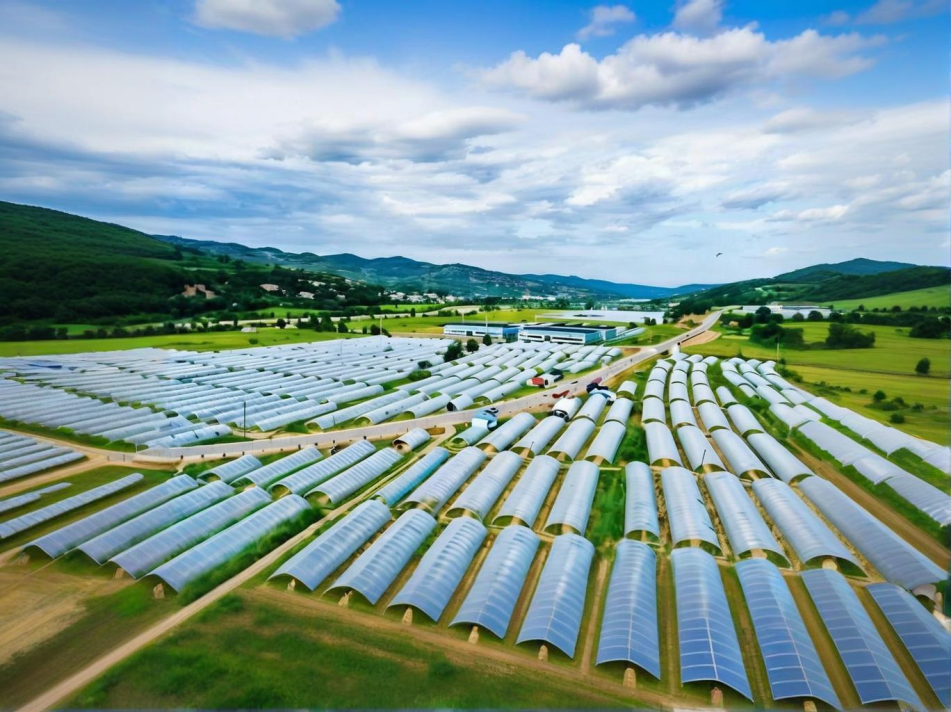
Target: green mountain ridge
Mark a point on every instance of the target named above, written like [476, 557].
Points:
[62, 268]
[413, 275]
[860, 266]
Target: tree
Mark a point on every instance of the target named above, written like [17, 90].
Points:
[472, 346]
[929, 329]
[797, 317]
[486, 340]
[923, 367]
[879, 396]
[412, 311]
[342, 327]
[814, 316]
[846, 336]
[453, 352]
[280, 323]
[897, 418]
[374, 330]
[762, 315]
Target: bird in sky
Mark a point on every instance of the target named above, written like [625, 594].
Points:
[719, 253]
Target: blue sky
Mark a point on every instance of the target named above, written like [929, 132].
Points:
[626, 141]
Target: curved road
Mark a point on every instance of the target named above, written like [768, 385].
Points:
[396, 428]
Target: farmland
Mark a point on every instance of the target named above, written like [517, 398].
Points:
[939, 297]
[198, 341]
[378, 648]
[855, 374]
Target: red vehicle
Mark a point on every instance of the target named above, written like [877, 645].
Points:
[556, 396]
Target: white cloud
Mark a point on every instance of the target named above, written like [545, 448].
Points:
[679, 70]
[806, 119]
[837, 18]
[753, 197]
[604, 19]
[888, 12]
[274, 18]
[698, 16]
[434, 136]
[380, 162]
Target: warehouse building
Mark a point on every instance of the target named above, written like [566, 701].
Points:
[497, 330]
[562, 333]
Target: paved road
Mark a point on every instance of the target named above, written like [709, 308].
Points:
[394, 429]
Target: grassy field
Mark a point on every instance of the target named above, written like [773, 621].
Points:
[929, 297]
[245, 654]
[931, 422]
[208, 341]
[894, 351]
[104, 622]
[888, 366]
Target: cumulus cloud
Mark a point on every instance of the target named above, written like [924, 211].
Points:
[673, 69]
[274, 18]
[340, 154]
[698, 16]
[604, 21]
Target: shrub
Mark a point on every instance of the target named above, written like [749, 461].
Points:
[879, 396]
[923, 367]
[453, 352]
[929, 329]
[419, 375]
[897, 418]
[846, 336]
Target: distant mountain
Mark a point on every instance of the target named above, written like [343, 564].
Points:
[857, 266]
[413, 275]
[828, 283]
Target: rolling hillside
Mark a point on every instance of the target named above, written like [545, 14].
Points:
[822, 284]
[858, 266]
[408, 274]
[60, 268]
[65, 268]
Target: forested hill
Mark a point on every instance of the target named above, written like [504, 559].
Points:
[66, 268]
[822, 284]
[858, 266]
[415, 276]
[59, 268]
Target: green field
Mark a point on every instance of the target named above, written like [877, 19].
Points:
[207, 341]
[939, 297]
[931, 422]
[894, 351]
[245, 653]
[888, 366]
